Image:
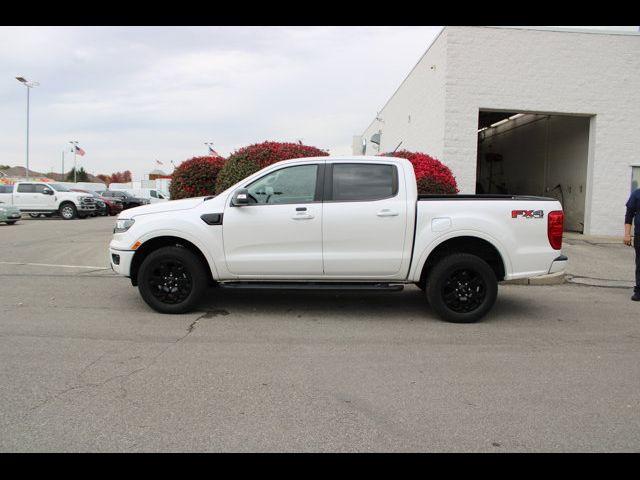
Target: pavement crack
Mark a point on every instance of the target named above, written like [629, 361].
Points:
[193, 325]
[84, 385]
[123, 377]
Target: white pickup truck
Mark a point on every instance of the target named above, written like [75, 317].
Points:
[338, 223]
[48, 198]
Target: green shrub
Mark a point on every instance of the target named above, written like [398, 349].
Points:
[248, 160]
[432, 176]
[195, 177]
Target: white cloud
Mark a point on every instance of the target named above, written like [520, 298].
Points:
[131, 95]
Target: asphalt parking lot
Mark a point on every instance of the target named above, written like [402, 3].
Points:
[85, 365]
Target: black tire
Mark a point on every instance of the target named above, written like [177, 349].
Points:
[68, 211]
[11, 222]
[172, 280]
[462, 288]
[34, 215]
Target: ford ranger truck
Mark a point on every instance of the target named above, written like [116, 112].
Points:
[49, 198]
[338, 223]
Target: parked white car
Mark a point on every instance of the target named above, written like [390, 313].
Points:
[338, 223]
[151, 194]
[49, 198]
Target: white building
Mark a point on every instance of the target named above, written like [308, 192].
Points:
[527, 110]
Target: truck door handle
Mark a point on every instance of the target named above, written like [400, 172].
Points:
[385, 212]
[302, 216]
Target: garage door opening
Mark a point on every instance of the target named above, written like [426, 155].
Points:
[535, 154]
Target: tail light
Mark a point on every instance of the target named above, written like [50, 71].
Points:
[555, 227]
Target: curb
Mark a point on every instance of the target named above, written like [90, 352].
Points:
[557, 278]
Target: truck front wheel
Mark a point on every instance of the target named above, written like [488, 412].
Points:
[462, 288]
[68, 211]
[172, 280]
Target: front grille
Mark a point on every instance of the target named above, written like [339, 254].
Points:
[88, 201]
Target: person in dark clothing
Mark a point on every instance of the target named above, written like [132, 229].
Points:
[633, 215]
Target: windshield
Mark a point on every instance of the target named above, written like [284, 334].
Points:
[59, 187]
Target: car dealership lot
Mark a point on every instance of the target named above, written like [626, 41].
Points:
[85, 365]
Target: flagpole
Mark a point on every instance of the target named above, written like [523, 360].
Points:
[63, 165]
[74, 143]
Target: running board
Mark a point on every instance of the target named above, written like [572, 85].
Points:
[363, 286]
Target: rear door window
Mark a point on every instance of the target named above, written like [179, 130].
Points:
[26, 188]
[352, 182]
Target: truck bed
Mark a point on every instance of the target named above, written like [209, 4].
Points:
[484, 196]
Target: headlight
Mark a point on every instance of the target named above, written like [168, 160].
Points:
[123, 225]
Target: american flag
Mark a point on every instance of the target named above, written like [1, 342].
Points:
[213, 152]
[80, 151]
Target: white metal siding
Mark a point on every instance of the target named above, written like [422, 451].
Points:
[514, 69]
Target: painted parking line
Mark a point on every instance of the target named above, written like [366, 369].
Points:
[55, 266]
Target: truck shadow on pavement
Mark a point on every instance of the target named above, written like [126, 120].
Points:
[408, 305]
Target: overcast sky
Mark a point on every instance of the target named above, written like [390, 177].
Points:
[133, 95]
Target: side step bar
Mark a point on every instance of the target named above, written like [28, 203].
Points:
[361, 286]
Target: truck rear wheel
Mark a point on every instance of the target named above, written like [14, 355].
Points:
[68, 211]
[172, 280]
[462, 288]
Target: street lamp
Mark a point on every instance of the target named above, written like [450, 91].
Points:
[29, 86]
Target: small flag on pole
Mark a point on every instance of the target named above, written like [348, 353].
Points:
[80, 151]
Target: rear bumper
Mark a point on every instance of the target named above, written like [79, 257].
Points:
[559, 264]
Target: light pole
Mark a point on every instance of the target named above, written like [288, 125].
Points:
[74, 143]
[29, 86]
[210, 147]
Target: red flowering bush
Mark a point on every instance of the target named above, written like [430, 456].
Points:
[195, 177]
[432, 176]
[248, 160]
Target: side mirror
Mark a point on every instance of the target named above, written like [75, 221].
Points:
[47, 191]
[240, 197]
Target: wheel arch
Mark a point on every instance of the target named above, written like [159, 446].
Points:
[67, 202]
[465, 244]
[155, 243]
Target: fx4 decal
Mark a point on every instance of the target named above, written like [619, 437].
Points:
[527, 213]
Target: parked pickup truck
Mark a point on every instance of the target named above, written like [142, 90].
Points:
[49, 198]
[338, 223]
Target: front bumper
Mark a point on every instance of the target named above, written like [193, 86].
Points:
[121, 261]
[559, 264]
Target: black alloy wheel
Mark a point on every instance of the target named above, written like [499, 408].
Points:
[464, 291]
[462, 288]
[172, 280]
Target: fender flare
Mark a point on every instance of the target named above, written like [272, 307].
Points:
[185, 236]
[424, 256]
